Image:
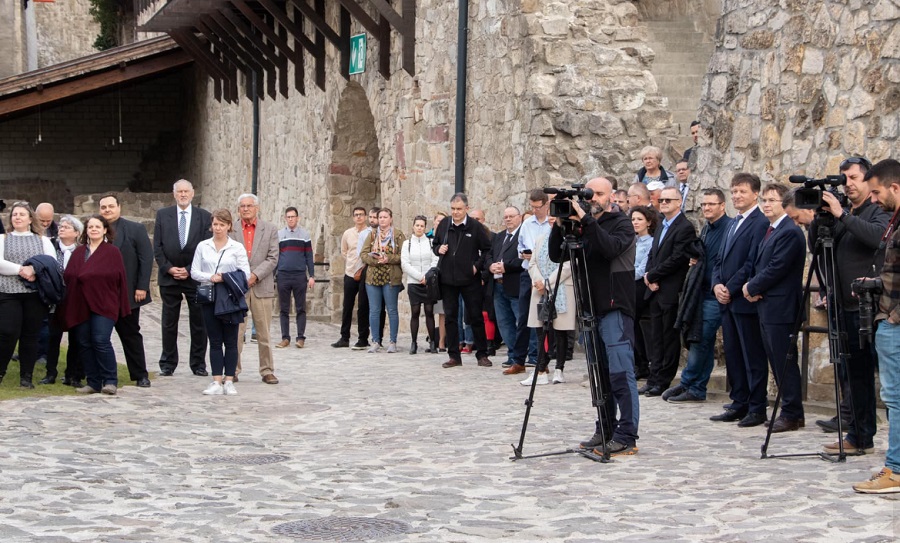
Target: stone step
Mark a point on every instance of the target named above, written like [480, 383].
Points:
[687, 57]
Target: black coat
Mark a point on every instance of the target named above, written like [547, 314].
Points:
[469, 245]
[231, 297]
[49, 283]
[508, 254]
[167, 247]
[690, 310]
[137, 254]
[668, 261]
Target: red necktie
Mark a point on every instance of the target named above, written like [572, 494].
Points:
[768, 233]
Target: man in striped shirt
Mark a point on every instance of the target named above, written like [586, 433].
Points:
[295, 274]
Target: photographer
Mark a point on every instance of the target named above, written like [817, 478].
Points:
[884, 184]
[857, 234]
[609, 245]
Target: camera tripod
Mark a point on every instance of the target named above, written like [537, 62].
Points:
[595, 349]
[837, 336]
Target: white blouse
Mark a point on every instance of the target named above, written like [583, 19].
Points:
[206, 258]
[416, 258]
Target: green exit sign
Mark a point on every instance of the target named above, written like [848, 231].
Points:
[357, 54]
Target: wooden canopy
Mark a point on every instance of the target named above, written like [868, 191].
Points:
[258, 38]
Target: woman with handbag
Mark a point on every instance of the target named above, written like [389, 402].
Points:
[96, 297]
[561, 313]
[384, 277]
[214, 257]
[21, 311]
[416, 258]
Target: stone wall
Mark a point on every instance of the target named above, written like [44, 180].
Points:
[79, 146]
[65, 30]
[12, 38]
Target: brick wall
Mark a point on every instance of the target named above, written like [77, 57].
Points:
[79, 144]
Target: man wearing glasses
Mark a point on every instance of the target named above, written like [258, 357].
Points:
[682, 173]
[667, 267]
[701, 354]
[354, 284]
[857, 238]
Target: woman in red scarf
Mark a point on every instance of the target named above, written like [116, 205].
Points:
[96, 297]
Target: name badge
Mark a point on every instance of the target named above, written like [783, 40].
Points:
[468, 235]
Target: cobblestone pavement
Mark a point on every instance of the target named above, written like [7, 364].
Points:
[396, 437]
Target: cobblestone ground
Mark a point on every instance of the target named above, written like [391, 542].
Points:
[396, 437]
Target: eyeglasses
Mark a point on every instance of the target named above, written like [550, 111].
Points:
[710, 204]
[681, 169]
[290, 216]
[359, 214]
[770, 200]
[855, 160]
[667, 200]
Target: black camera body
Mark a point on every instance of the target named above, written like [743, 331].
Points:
[562, 207]
[2, 205]
[867, 290]
[810, 196]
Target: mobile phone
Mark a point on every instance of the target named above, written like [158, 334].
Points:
[526, 251]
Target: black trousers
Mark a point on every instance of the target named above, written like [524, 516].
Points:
[74, 367]
[128, 329]
[21, 318]
[471, 295]
[664, 345]
[354, 289]
[292, 284]
[171, 298]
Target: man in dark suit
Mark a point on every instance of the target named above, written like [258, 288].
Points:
[177, 232]
[745, 357]
[776, 287]
[137, 253]
[505, 267]
[667, 266]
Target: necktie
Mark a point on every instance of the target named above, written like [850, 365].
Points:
[730, 236]
[768, 233]
[506, 241]
[182, 229]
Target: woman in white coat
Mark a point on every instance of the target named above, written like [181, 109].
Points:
[543, 279]
[416, 258]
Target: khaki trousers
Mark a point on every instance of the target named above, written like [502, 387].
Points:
[261, 313]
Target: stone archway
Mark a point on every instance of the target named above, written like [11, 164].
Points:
[353, 177]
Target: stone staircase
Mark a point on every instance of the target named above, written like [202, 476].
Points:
[682, 56]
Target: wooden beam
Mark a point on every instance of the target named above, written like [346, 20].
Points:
[257, 63]
[360, 15]
[345, 42]
[384, 47]
[317, 18]
[286, 22]
[320, 42]
[91, 83]
[200, 52]
[387, 11]
[295, 54]
[409, 37]
[231, 57]
[259, 55]
[280, 59]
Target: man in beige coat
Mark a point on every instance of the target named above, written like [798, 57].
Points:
[260, 239]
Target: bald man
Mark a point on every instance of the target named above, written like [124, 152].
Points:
[44, 213]
[609, 244]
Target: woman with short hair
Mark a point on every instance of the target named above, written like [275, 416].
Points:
[69, 230]
[652, 169]
[416, 258]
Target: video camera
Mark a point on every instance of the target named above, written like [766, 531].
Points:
[867, 290]
[562, 207]
[810, 196]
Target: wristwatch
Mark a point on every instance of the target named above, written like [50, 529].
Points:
[845, 214]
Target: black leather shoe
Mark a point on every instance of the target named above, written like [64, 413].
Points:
[831, 425]
[674, 391]
[655, 391]
[787, 425]
[413, 348]
[644, 389]
[752, 419]
[201, 373]
[341, 344]
[26, 383]
[143, 382]
[730, 415]
[166, 373]
[76, 383]
[48, 380]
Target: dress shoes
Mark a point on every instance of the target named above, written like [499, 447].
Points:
[485, 362]
[655, 391]
[26, 383]
[751, 420]
[48, 380]
[413, 348]
[643, 390]
[340, 344]
[166, 373]
[729, 415]
[787, 425]
[201, 373]
[76, 383]
[831, 425]
[284, 343]
[514, 369]
[269, 379]
[143, 382]
[300, 343]
[452, 363]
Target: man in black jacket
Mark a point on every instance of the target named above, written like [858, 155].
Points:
[857, 237]
[505, 266]
[667, 267]
[137, 253]
[609, 246]
[463, 244]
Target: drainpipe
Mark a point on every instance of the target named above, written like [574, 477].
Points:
[254, 165]
[462, 56]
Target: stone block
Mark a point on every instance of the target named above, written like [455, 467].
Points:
[861, 103]
[627, 99]
[758, 39]
[813, 61]
[558, 53]
[555, 27]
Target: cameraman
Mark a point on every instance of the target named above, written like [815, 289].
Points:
[857, 234]
[884, 184]
[609, 246]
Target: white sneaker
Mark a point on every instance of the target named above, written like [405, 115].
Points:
[527, 381]
[392, 347]
[558, 377]
[544, 378]
[214, 389]
[229, 388]
[375, 348]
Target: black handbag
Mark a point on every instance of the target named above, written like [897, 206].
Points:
[433, 278]
[206, 291]
[546, 310]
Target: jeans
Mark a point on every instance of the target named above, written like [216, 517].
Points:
[97, 355]
[617, 331]
[887, 343]
[468, 336]
[701, 356]
[507, 309]
[223, 342]
[387, 295]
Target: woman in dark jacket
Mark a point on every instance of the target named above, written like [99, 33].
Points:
[644, 220]
[96, 297]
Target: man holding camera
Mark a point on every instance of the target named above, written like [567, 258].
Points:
[884, 184]
[857, 235]
[609, 246]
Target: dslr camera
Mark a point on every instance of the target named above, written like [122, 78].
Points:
[562, 207]
[867, 290]
[810, 196]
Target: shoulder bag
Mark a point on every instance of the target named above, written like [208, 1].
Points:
[206, 291]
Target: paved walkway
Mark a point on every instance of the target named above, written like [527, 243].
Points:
[396, 437]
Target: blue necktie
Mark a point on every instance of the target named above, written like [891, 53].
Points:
[730, 236]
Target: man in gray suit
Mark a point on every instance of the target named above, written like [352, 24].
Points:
[260, 239]
[137, 253]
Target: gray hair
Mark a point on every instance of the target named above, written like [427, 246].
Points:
[175, 184]
[460, 196]
[74, 222]
[652, 151]
[254, 197]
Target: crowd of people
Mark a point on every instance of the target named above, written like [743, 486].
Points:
[658, 289]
